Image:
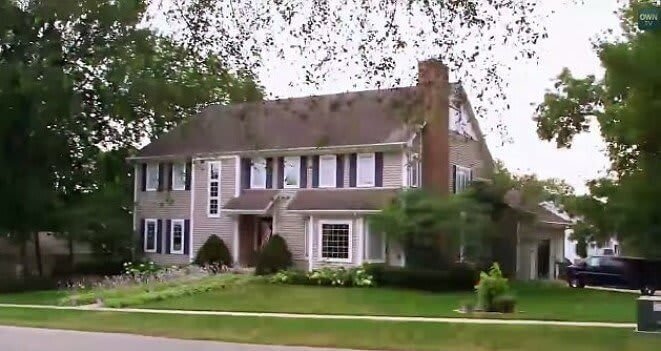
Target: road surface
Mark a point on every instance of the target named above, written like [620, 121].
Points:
[33, 339]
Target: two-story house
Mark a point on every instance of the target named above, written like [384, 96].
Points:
[309, 169]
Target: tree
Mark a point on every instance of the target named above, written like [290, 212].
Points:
[79, 79]
[624, 104]
[416, 218]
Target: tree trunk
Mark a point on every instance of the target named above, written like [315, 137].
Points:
[37, 254]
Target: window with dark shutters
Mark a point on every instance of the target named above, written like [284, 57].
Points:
[304, 171]
[315, 171]
[352, 170]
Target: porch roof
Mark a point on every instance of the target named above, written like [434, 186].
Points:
[251, 201]
[338, 200]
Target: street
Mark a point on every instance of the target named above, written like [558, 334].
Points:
[33, 339]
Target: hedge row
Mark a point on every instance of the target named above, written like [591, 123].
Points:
[457, 278]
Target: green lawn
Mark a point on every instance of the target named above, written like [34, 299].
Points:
[50, 297]
[538, 301]
[347, 334]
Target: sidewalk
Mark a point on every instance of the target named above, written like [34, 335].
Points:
[457, 320]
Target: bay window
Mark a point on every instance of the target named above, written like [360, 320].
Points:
[335, 239]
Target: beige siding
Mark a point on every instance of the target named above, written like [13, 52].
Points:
[164, 205]
[392, 169]
[469, 153]
[290, 226]
[203, 225]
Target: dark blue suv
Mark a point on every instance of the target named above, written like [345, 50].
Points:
[617, 272]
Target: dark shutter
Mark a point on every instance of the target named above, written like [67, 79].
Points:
[168, 235]
[187, 236]
[159, 236]
[142, 235]
[143, 177]
[315, 171]
[281, 172]
[189, 174]
[454, 179]
[352, 170]
[378, 169]
[245, 173]
[169, 168]
[269, 173]
[304, 171]
[161, 176]
[339, 172]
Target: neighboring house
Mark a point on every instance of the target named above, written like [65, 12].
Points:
[610, 247]
[309, 169]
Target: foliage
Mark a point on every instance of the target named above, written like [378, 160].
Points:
[326, 276]
[99, 267]
[457, 278]
[490, 286]
[581, 247]
[141, 268]
[417, 218]
[275, 256]
[624, 105]
[213, 251]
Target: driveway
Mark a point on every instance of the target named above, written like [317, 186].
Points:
[33, 339]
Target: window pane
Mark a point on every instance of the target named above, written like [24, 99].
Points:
[150, 240]
[213, 173]
[177, 237]
[327, 171]
[178, 176]
[152, 176]
[213, 189]
[335, 241]
[258, 173]
[375, 245]
[213, 206]
[292, 171]
[366, 169]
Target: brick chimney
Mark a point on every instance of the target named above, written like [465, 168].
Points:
[433, 82]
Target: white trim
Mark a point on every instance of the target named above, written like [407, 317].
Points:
[237, 176]
[297, 162]
[144, 234]
[310, 241]
[172, 177]
[253, 162]
[367, 247]
[457, 170]
[209, 180]
[235, 239]
[346, 212]
[183, 235]
[294, 150]
[328, 158]
[192, 212]
[158, 177]
[135, 197]
[405, 175]
[320, 240]
[372, 166]
[360, 229]
[247, 212]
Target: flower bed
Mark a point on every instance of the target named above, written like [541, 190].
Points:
[345, 277]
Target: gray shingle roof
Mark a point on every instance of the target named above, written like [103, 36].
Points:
[342, 199]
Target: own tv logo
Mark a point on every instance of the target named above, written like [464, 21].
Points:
[649, 18]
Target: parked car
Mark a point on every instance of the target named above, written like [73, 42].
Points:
[616, 272]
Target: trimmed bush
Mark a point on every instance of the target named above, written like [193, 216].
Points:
[275, 256]
[458, 278]
[214, 251]
[327, 276]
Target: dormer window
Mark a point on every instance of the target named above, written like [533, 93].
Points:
[258, 173]
[365, 171]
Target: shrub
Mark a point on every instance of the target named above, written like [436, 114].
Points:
[275, 256]
[504, 303]
[19, 285]
[490, 286]
[327, 276]
[457, 278]
[214, 251]
[141, 268]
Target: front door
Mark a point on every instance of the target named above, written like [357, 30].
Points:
[543, 258]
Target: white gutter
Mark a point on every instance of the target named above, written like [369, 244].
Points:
[321, 212]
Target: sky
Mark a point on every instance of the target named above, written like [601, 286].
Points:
[570, 28]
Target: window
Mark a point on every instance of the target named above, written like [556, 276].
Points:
[177, 236]
[327, 169]
[258, 173]
[150, 235]
[292, 172]
[462, 178]
[214, 189]
[365, 170]
[152, 177]
[375, 246]
[593, 262]
[178, 176]
[413, 167]
[335, 241]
